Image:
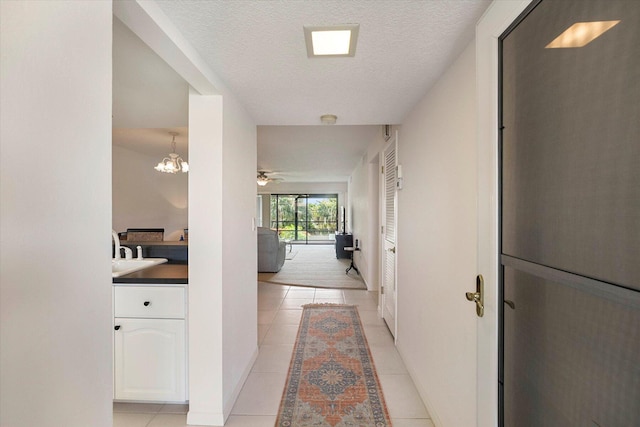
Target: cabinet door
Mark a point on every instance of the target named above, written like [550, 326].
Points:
[150, 359]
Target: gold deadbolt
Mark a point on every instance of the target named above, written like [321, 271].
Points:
[478, 295]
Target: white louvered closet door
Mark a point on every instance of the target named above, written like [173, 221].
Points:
[389, 234]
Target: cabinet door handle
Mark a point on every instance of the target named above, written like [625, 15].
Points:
[146, 303]
[117, 327]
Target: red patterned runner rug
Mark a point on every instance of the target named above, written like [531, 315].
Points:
[332, 381]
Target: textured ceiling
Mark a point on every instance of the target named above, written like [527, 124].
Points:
[257, 48]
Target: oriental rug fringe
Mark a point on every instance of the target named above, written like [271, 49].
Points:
[332, 381]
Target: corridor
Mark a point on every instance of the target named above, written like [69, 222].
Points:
[279, 311]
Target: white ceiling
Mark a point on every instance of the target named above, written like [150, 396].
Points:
[154, 142]
[313, 153]
[258, 49]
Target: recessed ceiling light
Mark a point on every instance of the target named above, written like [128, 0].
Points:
[333, 40]
[581, 33]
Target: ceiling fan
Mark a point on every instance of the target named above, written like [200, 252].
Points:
[263, 179]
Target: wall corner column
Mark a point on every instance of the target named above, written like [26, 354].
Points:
[205, 260]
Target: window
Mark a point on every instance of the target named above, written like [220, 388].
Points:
[304, 218]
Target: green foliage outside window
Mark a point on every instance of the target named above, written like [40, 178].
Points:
[317, 216]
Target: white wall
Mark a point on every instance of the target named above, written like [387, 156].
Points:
[364, 211]
[239, 257]
[55, 210]
[437, 244]
[205, 261]
[223, 256]
[360, 217]
[146, 198]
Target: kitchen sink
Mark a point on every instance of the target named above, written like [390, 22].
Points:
[120, 267]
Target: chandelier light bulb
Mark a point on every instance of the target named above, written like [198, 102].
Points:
[174, 162]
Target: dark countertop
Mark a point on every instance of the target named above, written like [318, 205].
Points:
[176, 252]
[160, 274]
[153, 243]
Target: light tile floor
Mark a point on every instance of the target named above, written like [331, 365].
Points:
[279, 311]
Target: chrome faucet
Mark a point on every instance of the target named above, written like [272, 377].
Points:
[116, 242]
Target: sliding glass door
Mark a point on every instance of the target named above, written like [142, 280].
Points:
[304, 218]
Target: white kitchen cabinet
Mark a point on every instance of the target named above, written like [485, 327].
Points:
[149, 302]
[150, 343]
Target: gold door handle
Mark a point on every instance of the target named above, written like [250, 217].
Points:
[478, 295]
[392, 250]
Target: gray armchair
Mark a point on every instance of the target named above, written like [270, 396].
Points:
[271, 251]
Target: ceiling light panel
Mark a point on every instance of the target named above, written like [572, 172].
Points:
[581, 33]
[331, 41]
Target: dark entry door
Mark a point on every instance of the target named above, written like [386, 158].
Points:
[570, 208]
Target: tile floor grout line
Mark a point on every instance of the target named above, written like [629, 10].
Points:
[364, 300]
[151, 420]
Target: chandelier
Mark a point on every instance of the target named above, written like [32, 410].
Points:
[173, 163]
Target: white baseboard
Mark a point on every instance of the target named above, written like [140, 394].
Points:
[218, 419]
[205, 418]
[236, 392]
[369, 288]
[422, 392]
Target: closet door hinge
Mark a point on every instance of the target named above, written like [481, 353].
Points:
[381, 290]
[382, 229]
[382, 170]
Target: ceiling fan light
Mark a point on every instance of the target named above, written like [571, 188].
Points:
[262, 179]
